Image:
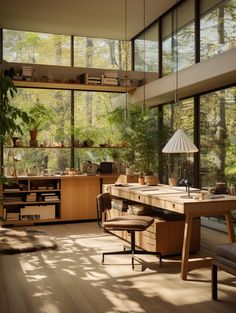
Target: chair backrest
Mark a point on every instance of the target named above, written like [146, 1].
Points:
[103, 204]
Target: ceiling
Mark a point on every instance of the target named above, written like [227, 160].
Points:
[91, 18]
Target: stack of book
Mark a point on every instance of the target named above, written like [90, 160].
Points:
[110, 78]
[27, 72]
[31, 197]
[35, 212]
[13, 216]
[12, 198]
[120, 204]
[52, 196]
[84, 78]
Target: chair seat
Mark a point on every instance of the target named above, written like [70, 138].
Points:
[129, 223]
[227, 251]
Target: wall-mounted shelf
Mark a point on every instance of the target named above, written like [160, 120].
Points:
[38, 147]
[73, 86]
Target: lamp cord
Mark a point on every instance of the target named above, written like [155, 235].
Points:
[126, 62]
[144, 55]
[176, 58]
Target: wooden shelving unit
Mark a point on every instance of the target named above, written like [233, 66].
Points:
[51, 147]
[73, 86]
[17, 200]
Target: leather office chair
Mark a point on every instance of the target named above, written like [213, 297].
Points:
[131, 224]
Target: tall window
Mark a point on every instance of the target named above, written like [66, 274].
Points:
[181, 39]
[102, 53]
[36, 48]
[53, 129]
[91, 123]
[146, 48]
[218, 144]
[218, 139]
[178, 116]
[218, 27]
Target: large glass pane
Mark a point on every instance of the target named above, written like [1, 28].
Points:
[218, 144]
[102, 53]
[218, 29]
[92, 124]
[218, 140]
[53, 131]
[36, 48]
[146, 47]
[178, 116]
[178, 47]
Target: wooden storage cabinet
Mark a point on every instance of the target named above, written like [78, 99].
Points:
[164, 235]
[79, 197]
[31, 200]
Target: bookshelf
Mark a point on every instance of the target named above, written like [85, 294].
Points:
[73, 86]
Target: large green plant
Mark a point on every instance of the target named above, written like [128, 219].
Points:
[10, 116]
[40, 116]
[139, 129]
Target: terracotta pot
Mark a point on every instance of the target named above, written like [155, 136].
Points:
[33, 134]
[151, 180]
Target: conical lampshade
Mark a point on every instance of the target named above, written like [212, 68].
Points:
[180, 143]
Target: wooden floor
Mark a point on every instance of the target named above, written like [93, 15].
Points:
[72, 278]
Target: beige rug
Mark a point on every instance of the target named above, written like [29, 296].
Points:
[13, 241]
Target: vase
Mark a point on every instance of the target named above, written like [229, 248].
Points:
[172, 181]
[151, 180]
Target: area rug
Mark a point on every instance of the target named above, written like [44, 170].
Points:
[13, 241]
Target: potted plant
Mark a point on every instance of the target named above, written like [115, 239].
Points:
[9, 122]
[40, 116]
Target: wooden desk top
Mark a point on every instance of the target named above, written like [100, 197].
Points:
[169, 198]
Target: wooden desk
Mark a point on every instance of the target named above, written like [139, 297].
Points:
[169, 198]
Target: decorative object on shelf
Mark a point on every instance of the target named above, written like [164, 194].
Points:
[19, 142]
[14, 140]
[172, 181]
[180, 143]
[16, 158]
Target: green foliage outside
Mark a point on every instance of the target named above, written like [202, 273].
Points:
[139, 129]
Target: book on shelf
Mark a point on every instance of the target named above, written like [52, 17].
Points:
[38, 212]
[31, 197]
[12, 199]
[13, 216]
[12, 189]
[109, 81]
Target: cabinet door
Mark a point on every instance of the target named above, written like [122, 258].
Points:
[78, 197]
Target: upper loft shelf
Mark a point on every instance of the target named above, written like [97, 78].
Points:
[73, 86]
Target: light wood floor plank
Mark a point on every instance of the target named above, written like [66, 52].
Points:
[73, 280]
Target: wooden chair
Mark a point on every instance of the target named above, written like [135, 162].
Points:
[226, 261]
[131, 224]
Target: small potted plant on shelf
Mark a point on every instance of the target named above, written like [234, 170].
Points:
[40, 117]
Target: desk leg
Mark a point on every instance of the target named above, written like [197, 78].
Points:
[230, 226]
[186, 246]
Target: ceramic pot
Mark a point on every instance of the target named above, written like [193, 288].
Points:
[172, 181]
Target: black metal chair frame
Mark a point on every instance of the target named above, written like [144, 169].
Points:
[133, 251]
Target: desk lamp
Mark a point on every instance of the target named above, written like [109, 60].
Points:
[180, 143]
